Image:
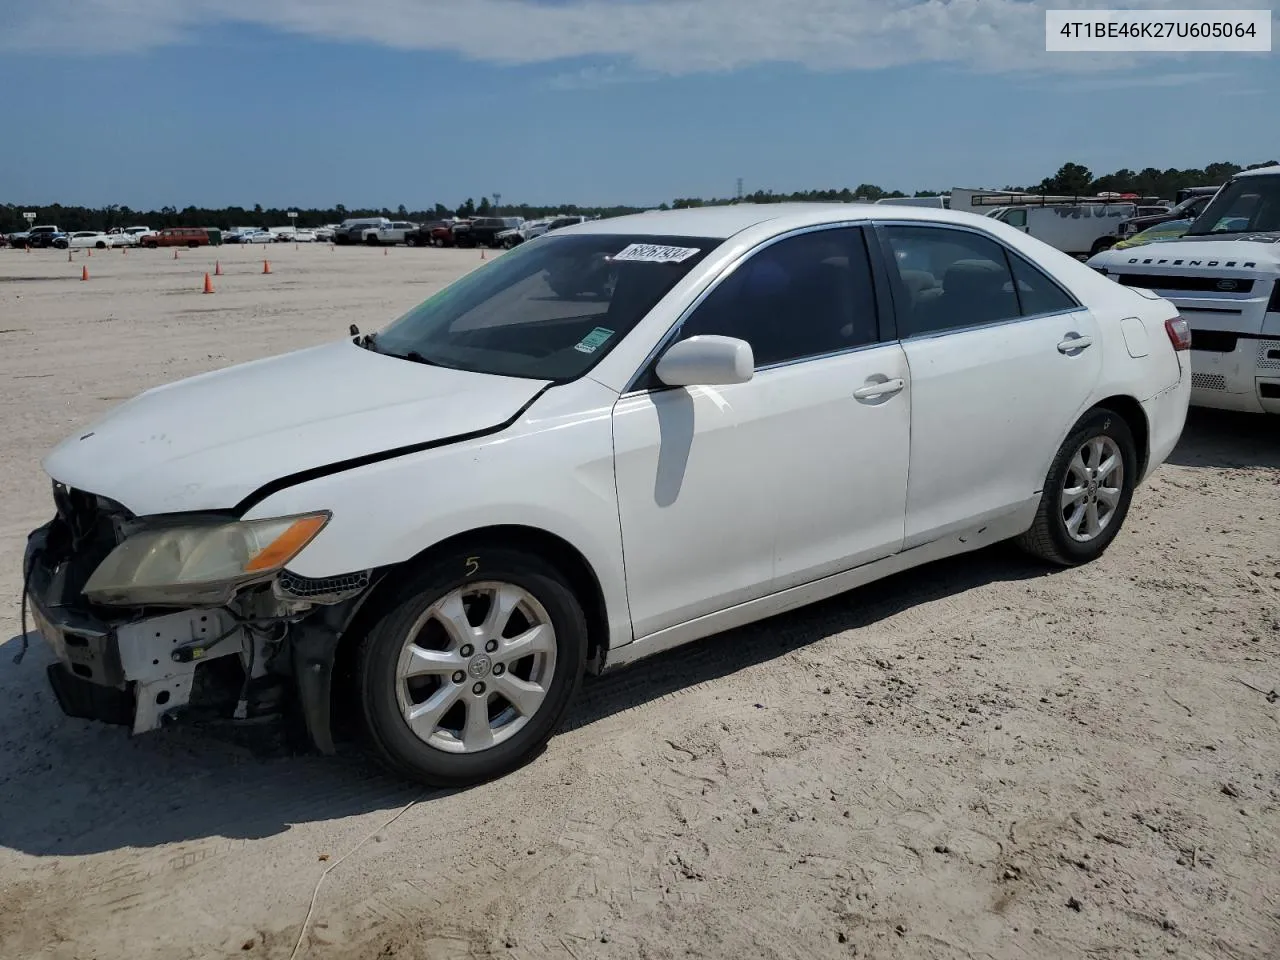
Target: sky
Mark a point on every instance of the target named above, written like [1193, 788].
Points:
[377, 103]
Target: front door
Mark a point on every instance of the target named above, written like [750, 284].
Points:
[1002, 359]
[729, 493]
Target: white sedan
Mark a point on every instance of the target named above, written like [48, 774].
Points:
[90, 239]
[258, 236]
[631, 434]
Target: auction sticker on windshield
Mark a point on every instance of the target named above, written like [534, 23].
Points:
[593, 340]
[653, 253]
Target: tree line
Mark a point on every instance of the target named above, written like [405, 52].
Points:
[1072, 179]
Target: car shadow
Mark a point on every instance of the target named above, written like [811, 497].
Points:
[1220, 438]
[73, 787]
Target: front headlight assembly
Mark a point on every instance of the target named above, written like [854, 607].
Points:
[199, 564]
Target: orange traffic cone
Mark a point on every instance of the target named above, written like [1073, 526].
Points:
[384, 251]
[175, 254]
[208, 284]
[217, 268]
[84, 272]
[266, 267]
[68, 255]
[89, 252]
[125, 251]
[482, 253]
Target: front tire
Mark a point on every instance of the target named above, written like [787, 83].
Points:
[472, 668]
[1087, 492]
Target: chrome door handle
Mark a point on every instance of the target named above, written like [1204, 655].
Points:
[1074, 343]
[873, 390]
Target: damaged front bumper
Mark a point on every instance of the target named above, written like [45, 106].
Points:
[138, 670]
[271, 648]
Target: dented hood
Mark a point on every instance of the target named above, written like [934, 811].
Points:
[208, 442]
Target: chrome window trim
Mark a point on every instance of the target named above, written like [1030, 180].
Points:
[631, 389]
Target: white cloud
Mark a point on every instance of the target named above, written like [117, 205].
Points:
[639, 36]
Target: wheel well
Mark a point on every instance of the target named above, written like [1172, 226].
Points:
[1136, 419]
[555, 550]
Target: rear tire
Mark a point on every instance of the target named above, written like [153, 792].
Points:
[372, 240]
[1086, 493]
[466, 730]
[1105, 243]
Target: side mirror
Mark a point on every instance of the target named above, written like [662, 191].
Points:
[706, 361]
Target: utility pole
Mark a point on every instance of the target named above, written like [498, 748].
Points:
[497, 203]
[739, 188]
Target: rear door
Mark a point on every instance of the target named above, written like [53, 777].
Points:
[999, 372]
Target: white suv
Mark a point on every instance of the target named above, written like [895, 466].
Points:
[1224, 276]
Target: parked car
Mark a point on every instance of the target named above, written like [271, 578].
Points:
[258, 236]
[1224, 274]
[514, 486]
[356, 229]
[183, 237]
[437, 233]
[19, 240]
[1166, 230]
[325, 233]
[44, 236]
[535, 228]
[128, 236]
[483, 231]
[84, 240]
[234, 234]
[1188, 209]
[391, 233]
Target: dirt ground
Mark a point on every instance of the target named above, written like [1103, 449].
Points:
[979, 759]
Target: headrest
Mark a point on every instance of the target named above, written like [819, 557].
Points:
[980, 278]
[917, 281]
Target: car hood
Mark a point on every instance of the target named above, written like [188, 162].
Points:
[1246, 256]
[208, 442]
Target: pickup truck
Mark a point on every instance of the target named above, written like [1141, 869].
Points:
[484, 231]
[44, 236]
[397, 231]
[127, 236]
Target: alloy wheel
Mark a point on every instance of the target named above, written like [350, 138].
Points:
[1092, 488]
[475, 667]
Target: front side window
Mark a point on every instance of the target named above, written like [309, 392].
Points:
[1247, 205]
[804, 296]
[1015, 218]
[548, 310]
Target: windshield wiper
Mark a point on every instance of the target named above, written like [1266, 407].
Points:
[366, 341]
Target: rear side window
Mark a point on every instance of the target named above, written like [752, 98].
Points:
[1036, 292]
[953, 279]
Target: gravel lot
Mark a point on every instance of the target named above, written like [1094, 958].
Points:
[979, 759]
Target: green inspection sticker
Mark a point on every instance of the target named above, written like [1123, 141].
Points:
[593, 340]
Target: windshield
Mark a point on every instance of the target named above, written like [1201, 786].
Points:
[1247, 205]
[548, 310]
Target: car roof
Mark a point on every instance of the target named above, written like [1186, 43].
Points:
[722, 222]
[1259, 172]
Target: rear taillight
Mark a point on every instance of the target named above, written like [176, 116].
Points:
[1179, 333]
